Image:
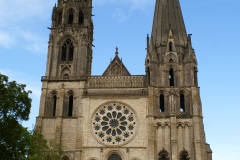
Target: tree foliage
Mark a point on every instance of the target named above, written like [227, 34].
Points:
[15, 106]
[16, 142]
[41, 149]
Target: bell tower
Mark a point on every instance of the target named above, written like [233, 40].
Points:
[174, 97]
[70, 42]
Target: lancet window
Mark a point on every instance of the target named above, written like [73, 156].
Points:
[184, 156]
[51, 106]
[163, 155]
[171, 77]
[182, 103]
[162, 105]
[80, 18]
[68, 104]
[114, 157]
[70, 17]
[67, 50]
[170, 47]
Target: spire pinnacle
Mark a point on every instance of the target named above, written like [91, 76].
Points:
[116, 53]
[168, 16]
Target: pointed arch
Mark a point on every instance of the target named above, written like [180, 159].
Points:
[184, 155]
[183, 101]
[171, 77]
[68, 104]
[162, 102]
[163, 155]
[67, 50]
[70, 16]
[162, 98]
[114, 157]
[65, 157]
[51, 104]
[170, 45]
[171, 58]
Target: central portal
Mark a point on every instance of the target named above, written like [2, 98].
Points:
[114, 157]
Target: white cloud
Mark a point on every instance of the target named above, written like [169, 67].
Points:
[18, 18]
[125, 7]
[6, 39]
[133, 4]
[120, 15]
[18, 10]
[34, 42]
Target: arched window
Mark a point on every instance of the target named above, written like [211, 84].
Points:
[163, 155]
[170, 47]
[114, 157]
[70, 105]
[60, 18]
[182, 103]
[64, 52]
[80, 18]
[51, 105]
[184, 156]
[162, 107]
[70, 16]
[54, 105]
[65, 158]
[171, 77]
[67, 50]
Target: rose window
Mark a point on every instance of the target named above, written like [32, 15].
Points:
[114, 124]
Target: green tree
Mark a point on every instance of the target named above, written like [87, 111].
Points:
[15, 106]
[16, 142]
[41, 149]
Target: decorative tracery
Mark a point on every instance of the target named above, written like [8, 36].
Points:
[114, 124]
[67, 50]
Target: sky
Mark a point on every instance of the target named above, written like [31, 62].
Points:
[214, 25]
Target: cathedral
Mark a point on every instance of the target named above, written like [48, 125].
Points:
[116, 115]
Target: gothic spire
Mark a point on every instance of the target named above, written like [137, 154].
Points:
[168, 16]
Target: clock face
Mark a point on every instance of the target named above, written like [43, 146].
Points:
[114, 124]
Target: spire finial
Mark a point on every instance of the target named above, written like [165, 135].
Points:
[116, 51]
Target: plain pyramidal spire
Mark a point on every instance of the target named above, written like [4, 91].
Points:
[168, 16]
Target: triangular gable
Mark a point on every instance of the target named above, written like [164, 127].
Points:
[116, 68]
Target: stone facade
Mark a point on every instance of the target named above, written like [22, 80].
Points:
[156, 116]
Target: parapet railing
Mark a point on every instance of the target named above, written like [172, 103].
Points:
[103, 81]
[116, 82]
[62, 78]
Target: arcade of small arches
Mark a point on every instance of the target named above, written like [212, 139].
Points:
[73, 17]
[162, 155]
[163, 98]
[171, 75]
[51, 104]
[183, 101]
